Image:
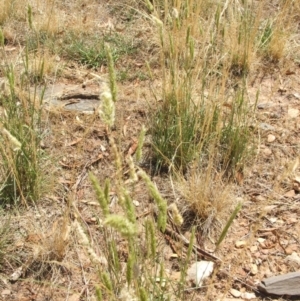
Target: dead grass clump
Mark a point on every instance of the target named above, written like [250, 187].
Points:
[277, 32]
[47, 250]
[4, 10]
[209, 197]
[10, 9]
[42, 65]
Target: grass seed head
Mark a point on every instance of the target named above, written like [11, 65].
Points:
[177, 217]
[121, 224]
[107, 107]
[15, 143]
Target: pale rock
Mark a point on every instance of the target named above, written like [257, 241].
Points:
[290, 194]
[16, 274]
[267, 152]
[280, 222]
[240, 244]
[235, 293]
[296, 95]
[199, 271]
[248, 296]
[293, 113]
[273, 219]
[293, 259]
[253, 269]
[261, 240]
[136, 203]
[271, 138]
[253, 249]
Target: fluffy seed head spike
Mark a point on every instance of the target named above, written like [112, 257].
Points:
[121, 224]
[160, 202]
[177, 217]
[16, 144]
[107, 107]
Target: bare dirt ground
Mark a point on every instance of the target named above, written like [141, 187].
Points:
[263, 240]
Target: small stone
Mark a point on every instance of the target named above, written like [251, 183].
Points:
[16, 274]
[235, 293]
[290, 194]
[271, 138]
[263, 105]
[275, 115]
[293, 113]
[261, 240]
[280, 222]
[199, 271]
[267, 152]
[242, 290]
[136, 203]
[253, 249]
[260, 198]
[248, 296]
[266, 127]
[253, 269]
[240, 244]
[293, 258]
[273, 219]
[296, 95]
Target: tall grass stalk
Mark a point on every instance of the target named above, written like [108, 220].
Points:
[21, 130]
[228, 224]
[144, 277]
[200, 112]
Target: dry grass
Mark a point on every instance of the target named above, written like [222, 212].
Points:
[202, 60]
[210, 198]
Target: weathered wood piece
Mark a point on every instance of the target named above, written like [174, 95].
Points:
[288, 284]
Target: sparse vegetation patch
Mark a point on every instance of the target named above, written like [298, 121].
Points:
[149, 150]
